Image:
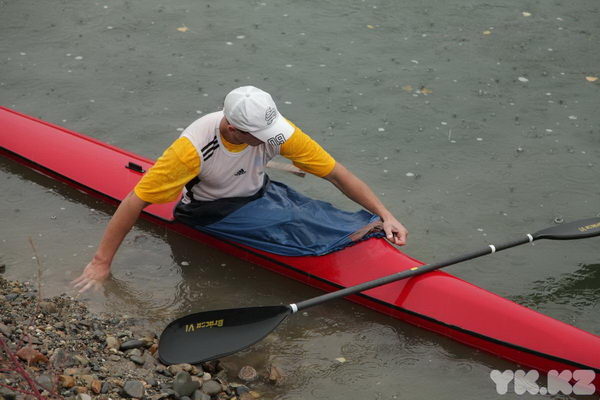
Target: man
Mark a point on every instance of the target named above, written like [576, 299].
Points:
[219, 163]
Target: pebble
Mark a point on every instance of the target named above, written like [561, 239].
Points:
[211, 387]
[132, 344]
[84, 353]
[112, 342]
[248, 374]
[45, 381]
[134, 389]
[200, 395]
[184, 385]
[138, 360]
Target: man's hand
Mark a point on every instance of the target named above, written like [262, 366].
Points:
[395, 232]
[358, 191]
[93, 276]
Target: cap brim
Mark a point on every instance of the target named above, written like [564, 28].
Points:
[277, 133]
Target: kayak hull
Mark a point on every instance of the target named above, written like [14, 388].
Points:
[437, 301]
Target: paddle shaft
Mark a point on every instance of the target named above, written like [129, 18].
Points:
[407, 274]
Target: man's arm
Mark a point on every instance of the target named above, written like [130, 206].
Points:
[360, 192]
[120, 224]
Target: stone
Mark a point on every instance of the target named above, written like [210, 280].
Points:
[275, 375]
[96, 386]
[200, 395]
[151, 381]
[66, 381]
[5, 330]
[196, 370]
[183, 384]
[246, 396]
[112, 342]
[61, 359]
[131, 344]
[45, 381]
[175, 368]
[248, 374]
[134, 352]
[211, 366]
[211, 387]
[31, 355]
[138, 360]
[239, 390]
[83, 396]
[105, 388]
[80, 389]
[134, 389]
[48, 307]
[83, 361]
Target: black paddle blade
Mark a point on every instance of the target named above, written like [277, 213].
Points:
[208, 335]
[583, 228]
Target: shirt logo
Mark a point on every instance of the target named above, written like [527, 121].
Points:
[277, 139]
[270, 115]
[241, 172]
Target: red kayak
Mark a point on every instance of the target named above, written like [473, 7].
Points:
[436, 301]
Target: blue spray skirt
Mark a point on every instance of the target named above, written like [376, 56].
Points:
[285, 222]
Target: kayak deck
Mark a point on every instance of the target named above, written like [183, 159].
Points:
[436, 301]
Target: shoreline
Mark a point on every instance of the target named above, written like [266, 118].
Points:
[56, 348]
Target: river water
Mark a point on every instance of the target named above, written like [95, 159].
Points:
[473, 122]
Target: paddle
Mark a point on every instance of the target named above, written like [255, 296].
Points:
[208, 335]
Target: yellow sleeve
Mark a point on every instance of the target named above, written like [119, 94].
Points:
[307, 154]
[164, 181]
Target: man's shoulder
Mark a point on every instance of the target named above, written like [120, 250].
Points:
[205, 124]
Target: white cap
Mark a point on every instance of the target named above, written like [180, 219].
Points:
[252, 110]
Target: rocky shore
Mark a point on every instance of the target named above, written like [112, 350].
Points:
[55, 348]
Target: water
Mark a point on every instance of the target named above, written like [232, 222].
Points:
[472, 121]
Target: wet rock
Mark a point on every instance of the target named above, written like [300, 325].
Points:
[131, 344]
[184, 385]
[211, 366]
[275, 375]
[200, 395]
[239, 390]
[211, 387]
[246, 396]
[112, 342]
[134, 389]
[248, 374]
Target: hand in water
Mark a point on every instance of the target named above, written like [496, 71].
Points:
[93, 276]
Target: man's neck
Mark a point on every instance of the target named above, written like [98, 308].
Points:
[226, 134]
